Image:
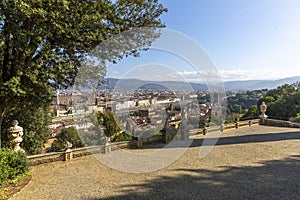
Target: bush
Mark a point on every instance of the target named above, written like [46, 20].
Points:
[124, 136]
[295, 119]
[67, 134]
[12, 164]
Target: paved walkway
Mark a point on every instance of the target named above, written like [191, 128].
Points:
[256, 162]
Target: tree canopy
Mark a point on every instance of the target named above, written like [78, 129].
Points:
[108, 121]
[44, 42]
[283, 102]
[67, 135]
[243, 105]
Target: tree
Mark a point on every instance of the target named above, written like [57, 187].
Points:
[252, 112]
[283, 102]
[67, 134]
[244, 105]
[44, 42]
[34, 120]
[108, 120]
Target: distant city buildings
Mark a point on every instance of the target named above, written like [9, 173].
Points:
[134, 109]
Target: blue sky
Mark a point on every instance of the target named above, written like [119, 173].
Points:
[246, 39]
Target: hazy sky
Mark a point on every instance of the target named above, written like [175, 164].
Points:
[246, 39]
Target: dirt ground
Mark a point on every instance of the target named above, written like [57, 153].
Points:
[256, 162]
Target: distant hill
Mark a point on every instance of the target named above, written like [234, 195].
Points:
[259, 84]
[134, 84]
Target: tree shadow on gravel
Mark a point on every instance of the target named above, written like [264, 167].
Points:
[278, 179]
[255, 138]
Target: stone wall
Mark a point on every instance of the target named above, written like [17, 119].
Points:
[45, 158]
[79, 152]
[280, 123]
[153, 140]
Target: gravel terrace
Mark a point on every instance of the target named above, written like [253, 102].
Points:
[257, 162]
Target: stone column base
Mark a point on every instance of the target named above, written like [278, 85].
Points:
[68, 155]
[106, 148]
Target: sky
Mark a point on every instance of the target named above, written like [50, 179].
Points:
[245, 39]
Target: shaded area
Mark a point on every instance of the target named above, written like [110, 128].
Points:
[229, 140]
[278, 179]
[255, 138]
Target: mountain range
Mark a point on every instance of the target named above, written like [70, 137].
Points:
[133, 84]
[259, 84]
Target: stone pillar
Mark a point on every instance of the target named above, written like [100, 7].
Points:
[205, 131]
[16, 133]
[107, 146]
[68, 155]
[222, 128]
[68, 152]
[167, 137]
[139, 143]
[263, 116]
[236, 123]
[184, 127]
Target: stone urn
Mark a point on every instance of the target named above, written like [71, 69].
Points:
[263, 109]
[16, 133]
[68, 145]
[263, 116]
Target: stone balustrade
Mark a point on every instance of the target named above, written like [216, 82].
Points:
[239, 124]
[79, 152]
[84, 151]
[280, 123]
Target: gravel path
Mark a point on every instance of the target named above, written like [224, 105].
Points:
[256, 162]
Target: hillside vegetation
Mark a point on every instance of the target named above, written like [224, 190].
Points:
[283, 103]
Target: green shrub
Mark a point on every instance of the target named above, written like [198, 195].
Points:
[295, 119]
[67, 134]
[12, 164]
[124, 136]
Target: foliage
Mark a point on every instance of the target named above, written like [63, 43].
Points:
[252, 112]
[232, 118]
[239, 102]
[108, 121]
[283, 102]
[172, 131]
[43, 44]
[67, 134]
[91, 138]
[202, 99]
[135, 113]
[124, 136]
[296, 118]
[12, 164]
[198, 122]
[242, 105]
[35, 122]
